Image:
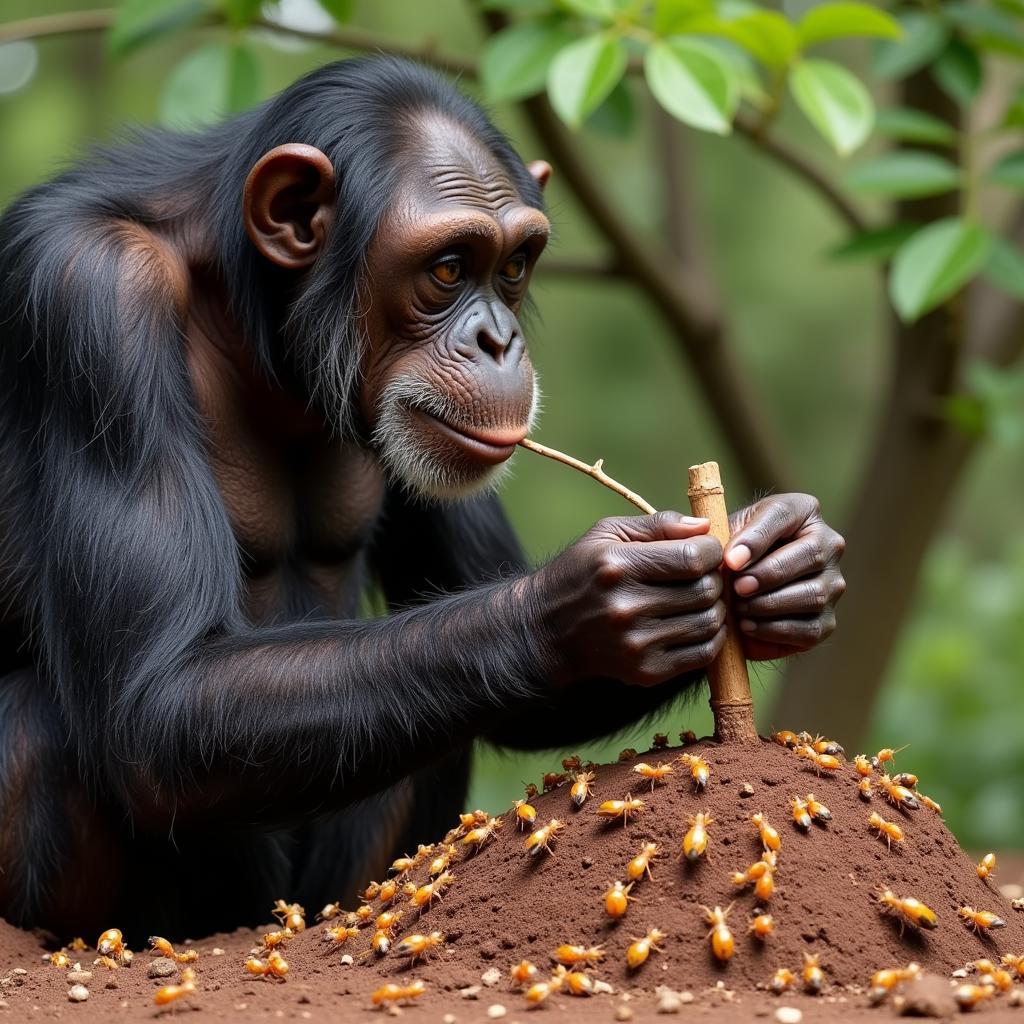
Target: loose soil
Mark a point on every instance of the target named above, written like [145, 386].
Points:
[504, 906]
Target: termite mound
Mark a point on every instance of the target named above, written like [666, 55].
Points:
[506, 905]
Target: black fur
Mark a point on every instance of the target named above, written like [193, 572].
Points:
[243, 761]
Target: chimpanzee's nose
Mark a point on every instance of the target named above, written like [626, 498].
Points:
[497, 333]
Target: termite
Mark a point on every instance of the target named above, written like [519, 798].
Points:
[616, 899]
[416, 946]
[640, 865]
[523, 972]
[475, 838]
[898, 796]
[570, 955]
[769, 836]
[761, 926]
[340, 933]
[822, 762]
[613, 808]
[782, 979]
[552, 780]
[909, 910]
[801, 816]
[526, 814]
[864, 789]
[331, 910]
[981, 920]
[695, 842]
[162, 947]
[169, 993]
[656, 773]
[863, 766]
[968, 996]
[931, 804]
[890, 830]
[987, 865]
[392, 993]
[291, 915]
[111, 944]
[544, 837]
[823, 746]
[425, 894]
[813, 976]
[275, 966]
[581, 788]
[722, 943]
[627, 755]
[60, 959]
[887, 754]
[785, 738]
[440, 863]
[818, 811]
[700, 770]
[640, 949]
[660, 741]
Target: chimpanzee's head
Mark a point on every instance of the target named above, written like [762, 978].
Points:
[410, 230]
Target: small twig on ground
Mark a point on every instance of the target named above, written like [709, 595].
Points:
[594, 471]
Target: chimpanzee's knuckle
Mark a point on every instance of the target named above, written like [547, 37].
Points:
[620, 612]
[817, 552]
[706, 652]
[815, 629]
[649, 672]
[706, 590]
[828, 624]
[609, 569]
[817, 594]
[838, 586]
[633, 645]
[837, 543]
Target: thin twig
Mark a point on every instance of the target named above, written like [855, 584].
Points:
[57, 24]
[594, 471]
[796, 163]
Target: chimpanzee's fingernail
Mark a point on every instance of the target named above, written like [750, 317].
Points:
[746, 585]
[738, 557]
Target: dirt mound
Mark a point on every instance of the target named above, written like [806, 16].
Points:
[504, 905]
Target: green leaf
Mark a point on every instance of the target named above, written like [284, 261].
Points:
[766, 35]
[1005, 267]
[968, 414]
[904, 175]
[959, 72]
[212, 81]
[934, 264]
[692, 82]
[240, 13]
[839, 20]
[835, 102]
[604, 10]
[673, 16]
[1014, 116]
[987, 27]
[340, 10]
[910, 125]
[582, 74]
[515, 61]
[141, 21]
[1009, 171]
[924, 38]
[518, 6]
[617, 115]
[877, 244]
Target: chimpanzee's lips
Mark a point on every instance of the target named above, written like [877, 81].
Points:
[491, 446]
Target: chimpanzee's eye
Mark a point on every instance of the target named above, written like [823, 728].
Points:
[515, 267]
[448, 270]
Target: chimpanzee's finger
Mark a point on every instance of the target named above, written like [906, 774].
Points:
[766, 523]
[799, 634]
[666, 561]
[670, 599]
[809, 596]
[660, 664]
[816, 549]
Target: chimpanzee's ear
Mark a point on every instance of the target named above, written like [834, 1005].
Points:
[288, 204]
[540, 170]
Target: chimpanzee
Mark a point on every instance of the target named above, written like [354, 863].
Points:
[249, 379]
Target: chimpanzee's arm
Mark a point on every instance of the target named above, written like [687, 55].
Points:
[430, 549]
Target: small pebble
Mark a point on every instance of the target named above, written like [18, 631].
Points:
[623, 1012]
[470, 992]
[746, 790]
[669, 1002]
[241, 1006]
[1018, 904]
[394, 1011]
[78, 993]
[789, 1015]
[602, 987]
[347, 960]
[686, 997]
[491, 977]
[961, 973]
[496, 1011]
[1017, 997]
[78, 975]
[448, 1018]
[161, 967]
[217, 951]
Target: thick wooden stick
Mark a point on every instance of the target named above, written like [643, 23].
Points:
[731, 702]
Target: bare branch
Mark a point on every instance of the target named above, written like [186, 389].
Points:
[811, 176]
[344, 37]
[57, 25]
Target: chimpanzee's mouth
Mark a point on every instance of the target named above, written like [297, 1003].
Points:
[493, 446]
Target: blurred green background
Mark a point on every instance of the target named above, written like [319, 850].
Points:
[811, 330]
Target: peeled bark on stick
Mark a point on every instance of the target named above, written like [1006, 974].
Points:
[731, 702]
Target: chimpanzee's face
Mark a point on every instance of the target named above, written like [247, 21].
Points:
[448, 388]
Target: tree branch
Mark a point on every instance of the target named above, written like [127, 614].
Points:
[996, 320]
[345, 37]
[811, 176]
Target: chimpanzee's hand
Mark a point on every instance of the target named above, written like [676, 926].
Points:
[786, 581]
[636, 599]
